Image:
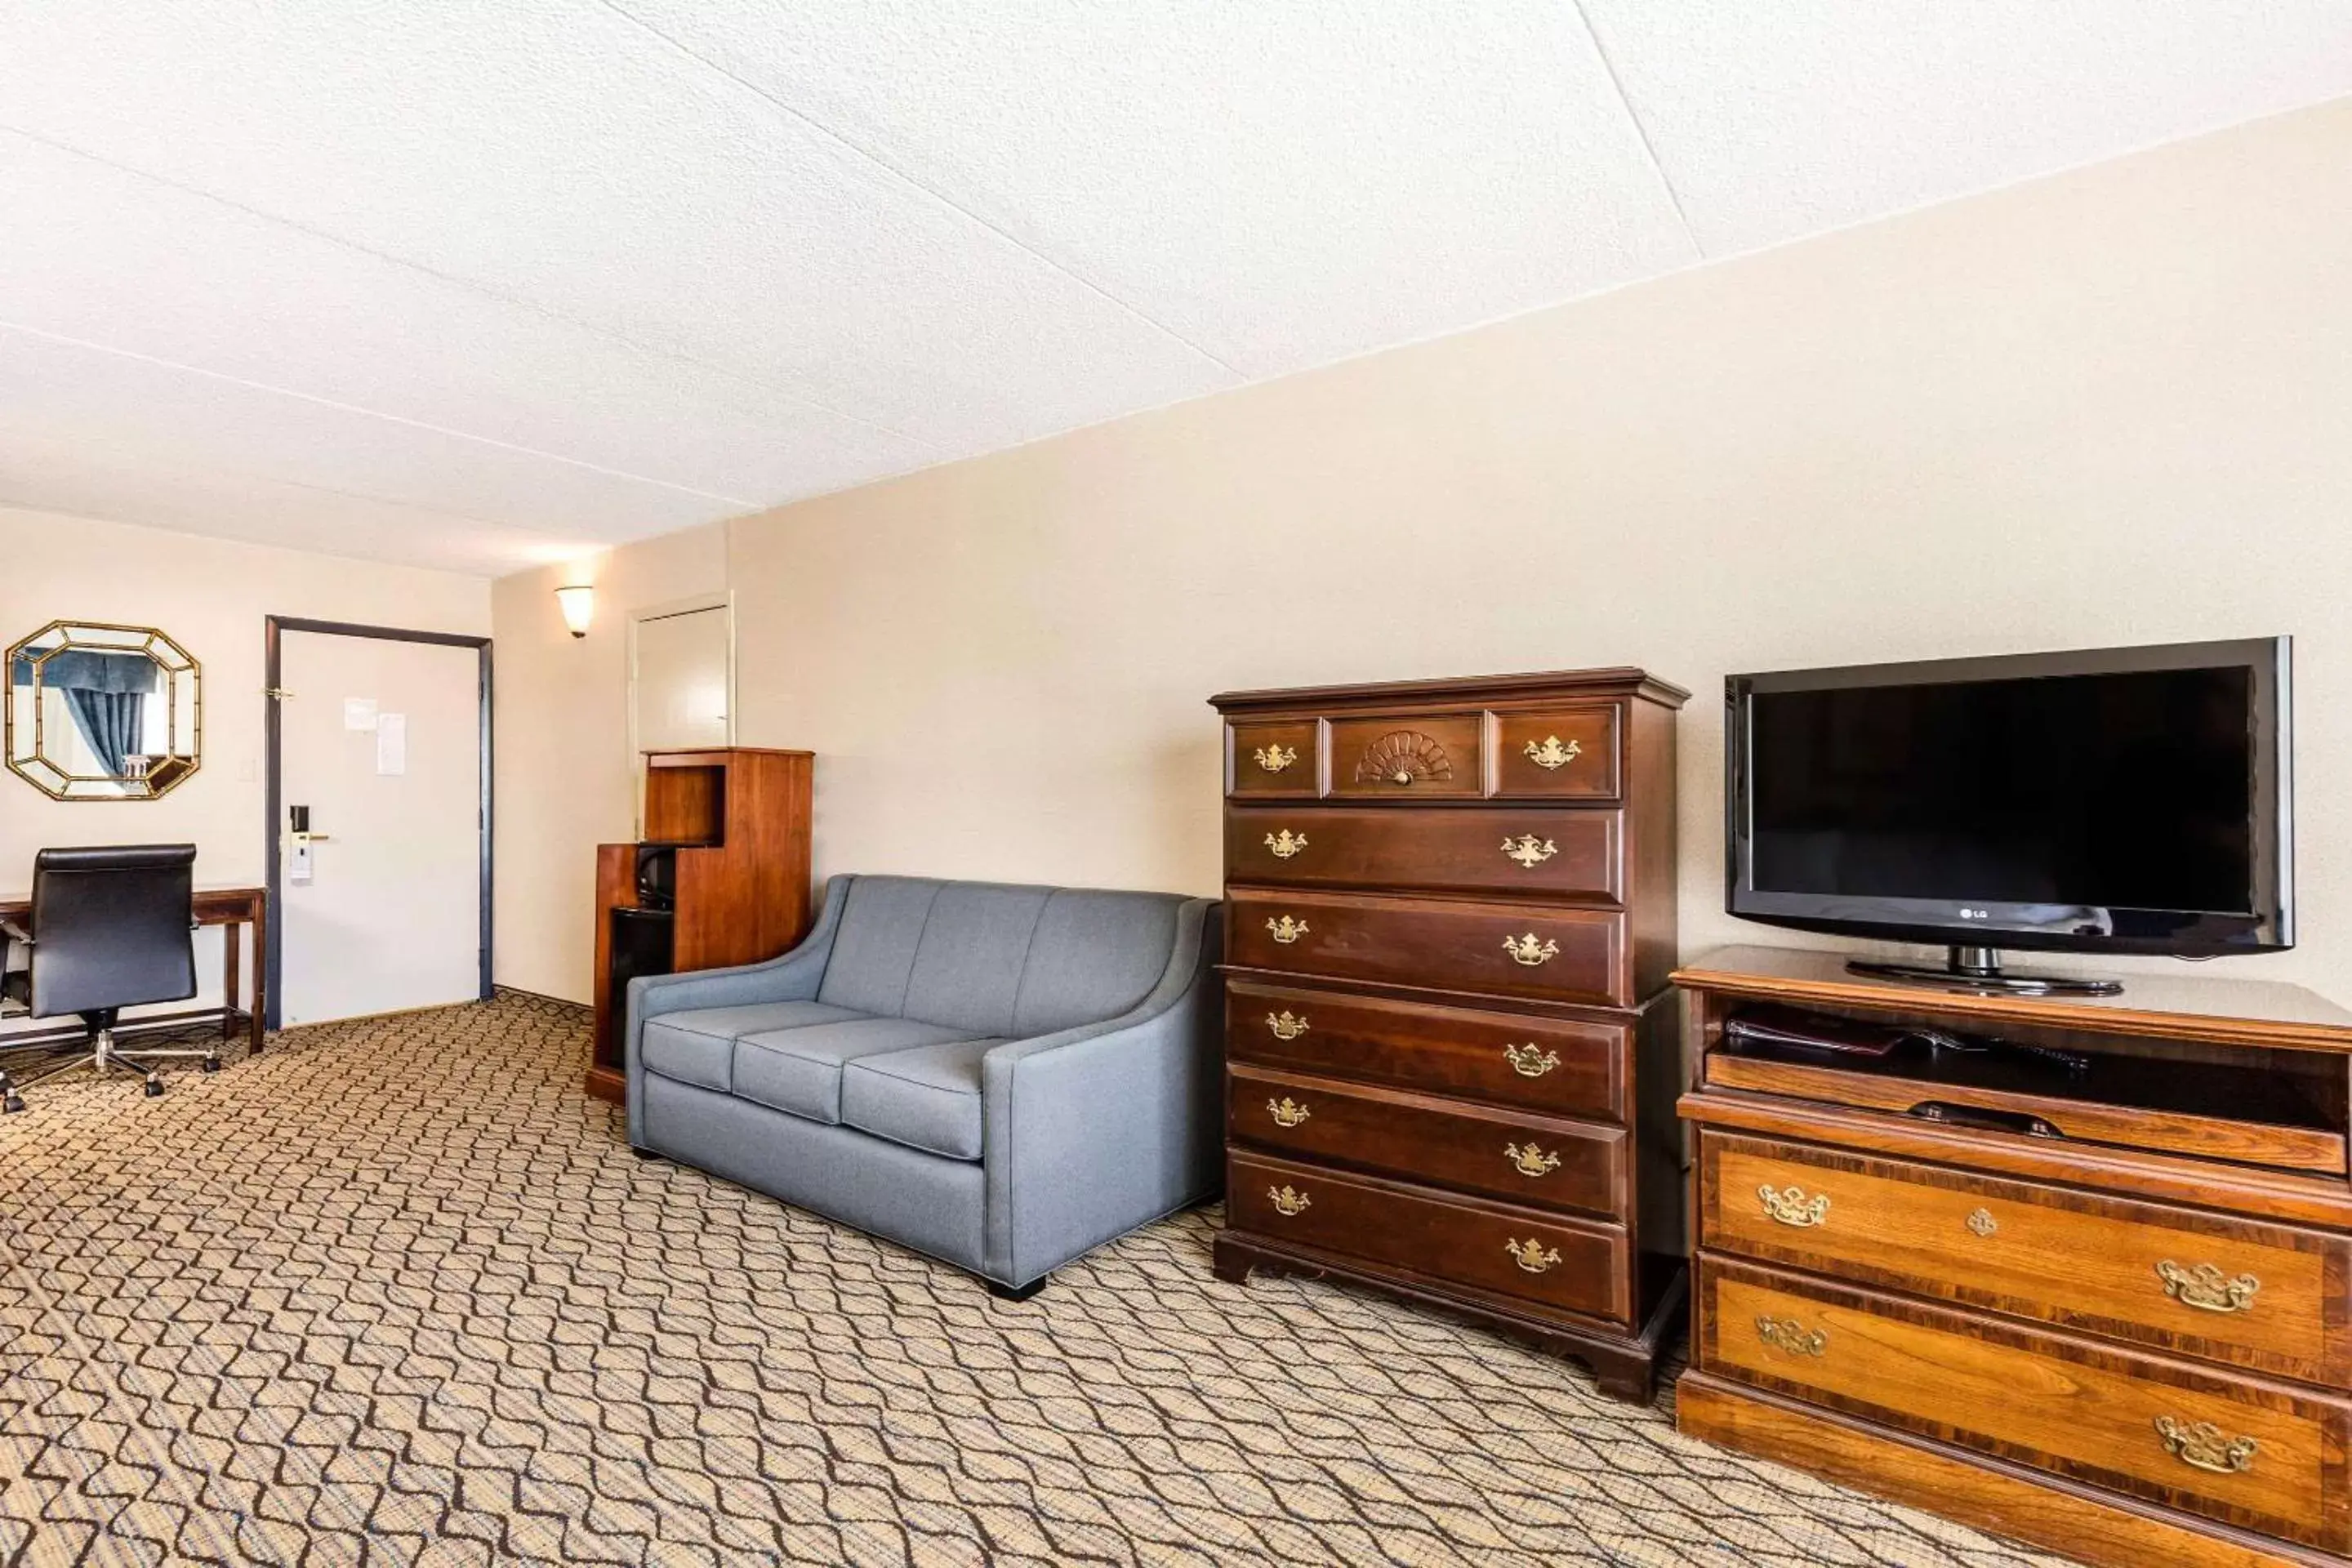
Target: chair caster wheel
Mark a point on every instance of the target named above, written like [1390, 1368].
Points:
[155, 1088]
[11, 1105]
[211, 1064]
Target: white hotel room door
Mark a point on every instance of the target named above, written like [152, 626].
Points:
[380, 743]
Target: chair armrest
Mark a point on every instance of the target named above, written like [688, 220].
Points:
[1094, 1131]
[795, 976]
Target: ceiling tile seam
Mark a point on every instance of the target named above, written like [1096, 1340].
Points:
[518, 534]
[482, 290]
[1633, 117]
[912, 183]
[371, 413]
[251, 476]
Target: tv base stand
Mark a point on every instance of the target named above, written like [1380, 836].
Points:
[2103, 1312]
[1979, 968]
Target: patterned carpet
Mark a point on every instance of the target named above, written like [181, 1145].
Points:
[396, 1292]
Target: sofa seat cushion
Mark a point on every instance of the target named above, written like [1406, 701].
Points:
[800, 1069]
[699, 1047]
[927, 1098]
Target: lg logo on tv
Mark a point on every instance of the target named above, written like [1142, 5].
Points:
[1969, 914]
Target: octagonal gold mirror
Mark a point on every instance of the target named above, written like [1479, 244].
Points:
[101, 713]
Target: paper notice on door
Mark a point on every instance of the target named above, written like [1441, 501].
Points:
[392, 744]
[359, 713]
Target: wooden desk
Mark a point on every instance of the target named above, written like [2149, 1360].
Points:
[234, 908]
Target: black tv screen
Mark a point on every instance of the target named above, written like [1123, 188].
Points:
[2119, 800]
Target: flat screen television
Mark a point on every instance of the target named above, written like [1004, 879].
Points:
[2117, 800]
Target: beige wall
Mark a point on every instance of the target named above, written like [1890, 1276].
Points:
[211, 595]
[2102, 408]
[564, 779]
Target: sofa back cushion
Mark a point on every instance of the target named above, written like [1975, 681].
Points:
[995, 958]
[873, 948]
[1093, 956]
[968, 966]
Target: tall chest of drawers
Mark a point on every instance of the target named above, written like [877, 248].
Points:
[1450, 918]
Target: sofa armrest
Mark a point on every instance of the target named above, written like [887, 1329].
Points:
[793, 976]
[1094, 1131]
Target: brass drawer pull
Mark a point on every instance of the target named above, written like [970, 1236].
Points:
[1531, 1255]
[1284, 1026]
[1982, 1223]
[1287, 1202]
[2204, 1288]
[1286, 1111]
[1529, 850]
[1530, 1161]
[2205, 1447]
[1788, 1334]
[1275, 758]
[1286, 843]
[1526, 950]
[1550, 752]
[1286, 929]
[1529, 1062]
[1790, 1205]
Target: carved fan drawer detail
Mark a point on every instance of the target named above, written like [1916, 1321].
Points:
[1409, 758]
[1567, 753]
[2266, 1456]
[1499, 1154]
[1552, 853]
[1548, 1260]
[1509, 1059]
[2223, 1290]
[1556, 954]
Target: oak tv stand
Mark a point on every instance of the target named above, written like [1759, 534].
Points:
[2107, 1313]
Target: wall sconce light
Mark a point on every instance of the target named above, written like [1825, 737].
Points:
[579, 605]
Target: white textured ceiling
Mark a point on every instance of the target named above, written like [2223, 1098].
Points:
[476, 284]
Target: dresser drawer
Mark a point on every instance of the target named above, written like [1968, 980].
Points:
[1570, 1265]
[1559, 953]
[1565, 753]
[1505, 1154]
[1279, 759]
[1428, 755]
[1509, 1059]
[2254, 1454]
[2225, 1289]
[1554, 853]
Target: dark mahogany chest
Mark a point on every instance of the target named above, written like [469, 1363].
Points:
[1450, 915]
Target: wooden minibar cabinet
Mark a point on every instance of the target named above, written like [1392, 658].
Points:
[726, 849]
[2088, 1286]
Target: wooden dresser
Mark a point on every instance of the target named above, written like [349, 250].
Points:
[2106, 1312]
[1450, 916]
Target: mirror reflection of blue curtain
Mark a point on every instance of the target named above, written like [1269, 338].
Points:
[113, 722]
[107, 695]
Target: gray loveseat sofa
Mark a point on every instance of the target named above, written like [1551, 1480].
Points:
[1001, 1076]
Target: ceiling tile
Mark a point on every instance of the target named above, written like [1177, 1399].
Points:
[1284, 184]
[149, 412]
[102, 255]
[41, 473]
[1778, 120]
[553, 152]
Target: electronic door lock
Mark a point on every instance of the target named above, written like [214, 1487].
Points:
[299, 834]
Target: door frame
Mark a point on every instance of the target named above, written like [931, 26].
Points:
[272, 626]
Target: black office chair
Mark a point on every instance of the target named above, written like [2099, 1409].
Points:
[111, 928]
